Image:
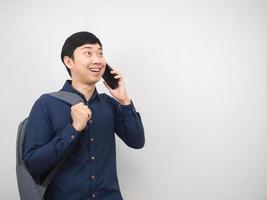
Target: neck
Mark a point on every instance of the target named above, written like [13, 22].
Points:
[85, 89]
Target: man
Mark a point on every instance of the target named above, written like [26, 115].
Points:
[53, 127]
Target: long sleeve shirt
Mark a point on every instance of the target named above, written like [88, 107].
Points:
[89, 172]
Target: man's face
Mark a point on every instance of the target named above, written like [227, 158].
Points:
[88, 63]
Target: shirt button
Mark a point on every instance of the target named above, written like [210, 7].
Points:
[93, 195]
[72, 136]
[91, 121]
[92, 157]
[93, 177]
[92, 139]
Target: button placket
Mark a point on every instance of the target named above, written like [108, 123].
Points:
[92, 175]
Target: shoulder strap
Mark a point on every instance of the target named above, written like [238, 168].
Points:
[72, 99]
[67, 97]
[57, 167]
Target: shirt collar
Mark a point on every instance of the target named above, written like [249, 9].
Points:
[68, 87]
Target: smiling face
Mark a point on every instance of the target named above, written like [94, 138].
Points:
[88, 63]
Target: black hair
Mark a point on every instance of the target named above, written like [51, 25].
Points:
[76, 40]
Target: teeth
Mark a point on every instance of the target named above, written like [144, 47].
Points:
[95, 69]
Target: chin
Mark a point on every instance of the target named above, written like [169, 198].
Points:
[93, 81]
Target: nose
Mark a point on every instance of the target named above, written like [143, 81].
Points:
[96, 59]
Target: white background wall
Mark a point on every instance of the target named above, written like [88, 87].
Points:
[196, 71]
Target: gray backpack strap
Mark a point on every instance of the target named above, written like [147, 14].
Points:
[67, 97]
[72, 99]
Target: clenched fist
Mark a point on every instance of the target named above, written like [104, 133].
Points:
[80, 115]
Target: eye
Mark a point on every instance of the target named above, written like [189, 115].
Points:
[88, 53]
[100, 53]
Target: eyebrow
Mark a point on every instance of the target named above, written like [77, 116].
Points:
[88, 47]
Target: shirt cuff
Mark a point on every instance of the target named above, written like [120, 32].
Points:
[69, 133]
[127, 109]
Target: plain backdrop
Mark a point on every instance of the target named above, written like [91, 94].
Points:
[196, 71]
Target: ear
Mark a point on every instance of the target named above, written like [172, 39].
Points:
[68, 62]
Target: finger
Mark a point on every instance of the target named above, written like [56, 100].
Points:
[115, 71]
[81, 103]
[114, 68]
[88, 110]
[118, 77]
[87, 113]
[85, 108]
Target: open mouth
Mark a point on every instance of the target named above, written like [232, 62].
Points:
[94, 69]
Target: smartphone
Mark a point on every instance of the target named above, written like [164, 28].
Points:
[109, 78]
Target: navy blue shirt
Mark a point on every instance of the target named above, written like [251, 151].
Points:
[89, 172]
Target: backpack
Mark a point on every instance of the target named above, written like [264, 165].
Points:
[28, 188]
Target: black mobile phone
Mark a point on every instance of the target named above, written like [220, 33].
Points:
[109, 78]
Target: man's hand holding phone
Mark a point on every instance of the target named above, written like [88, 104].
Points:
[119, 92]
